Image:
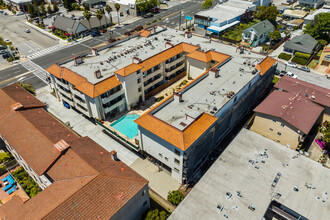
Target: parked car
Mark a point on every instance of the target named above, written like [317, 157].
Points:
[95, 33]
[19, 13]
[292, 75]
[282, 73]
[60, 5]
[328, 76]
[5, 55]
[303, 68]
[6, 41]
[27, 30]
[149, 15]
[98, 6]
[4, 13]
[291, 64]
[3, 51]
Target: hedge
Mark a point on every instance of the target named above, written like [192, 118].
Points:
[302, 55]
[299, 60]
[285, 56]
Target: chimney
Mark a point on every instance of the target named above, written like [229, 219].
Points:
[114, 155]
[61, 146]
[188, 34]
[313, 97]
[215, 71]
[97, 74]
[77, 60]
[178, 96]
[136, 60]
[94, 52]
[168, 44]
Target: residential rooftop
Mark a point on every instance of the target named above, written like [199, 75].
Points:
[243, 176]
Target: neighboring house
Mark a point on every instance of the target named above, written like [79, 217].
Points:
[257, 178]
[309, 18]
[311, 3]
[18, 4]
[326, 4]
[286, 117]
[303, 43]
[79, 178]
[258, 33]
[313, 92]
[181, 131]
[224, 16]
[294, 14]
[324, 61]
[296, 23]
[79, 27]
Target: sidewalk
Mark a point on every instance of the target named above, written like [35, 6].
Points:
[160, 182]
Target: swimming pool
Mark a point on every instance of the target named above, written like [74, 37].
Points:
[126, 125]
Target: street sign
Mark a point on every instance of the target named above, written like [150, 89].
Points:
[188, 18]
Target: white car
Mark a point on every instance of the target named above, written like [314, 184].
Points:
[291, 75]
[27, 30]
[291, 65]
[19, 13]
[6, 41]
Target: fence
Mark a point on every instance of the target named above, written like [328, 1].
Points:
[274, 47]
[118, 138]
[223, 38]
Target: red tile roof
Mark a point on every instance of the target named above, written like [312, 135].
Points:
[315, 93]
[87, 182]
[293, 108]
[265, 64]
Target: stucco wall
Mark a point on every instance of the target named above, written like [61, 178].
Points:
[195, 67]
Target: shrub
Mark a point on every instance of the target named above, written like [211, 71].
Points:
[322, 42]
[159, 98]
[302, 55]
[175, 197]
[285, 56]
[5, 157]
[299, 60]
[154, 214]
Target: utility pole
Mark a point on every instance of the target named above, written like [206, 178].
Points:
[180, 20]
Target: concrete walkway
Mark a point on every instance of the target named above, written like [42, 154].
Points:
[159, 182]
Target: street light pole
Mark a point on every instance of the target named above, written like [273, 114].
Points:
[180, 20]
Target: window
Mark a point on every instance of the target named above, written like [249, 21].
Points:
[166, 158]
[145, 203]
[177, 152]
[176, 170]
[160, 155]
[235, 99]
[279, 133]
[138, 72]
[176, 161]
[139, 80]
[282, 125]
[143, 192]
[139, 89]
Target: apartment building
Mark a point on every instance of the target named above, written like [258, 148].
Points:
[180, 132]
[117, 78]
[79, 178]
[311, 3]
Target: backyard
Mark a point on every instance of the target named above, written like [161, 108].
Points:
[28, 184]
[235, 33]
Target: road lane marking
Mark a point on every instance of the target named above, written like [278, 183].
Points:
[16, 77]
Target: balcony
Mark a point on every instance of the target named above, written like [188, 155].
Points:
[152, 74]
[82, 108]
[67, 100]
[78, 93]
[113, 96]
[157, 80]
[167, 65]
[79, 100]
[112, 107]
[62, 84]
[167, 74]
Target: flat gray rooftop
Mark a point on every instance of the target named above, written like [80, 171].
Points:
[233, 171]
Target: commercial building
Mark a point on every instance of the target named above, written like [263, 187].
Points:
[258, 33]
[326, 4]
[257, 178]
[324, 61]
[224, 16]
[303, 43]
[286, 118]
[311, 3]
[314, 93]
[78, 177]
[181, 131]
[18, 4]
[127, 7]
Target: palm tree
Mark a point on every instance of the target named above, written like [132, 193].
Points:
[88, 16]
[117, 6]
[109, 10]
[28, 87]
[99, 15]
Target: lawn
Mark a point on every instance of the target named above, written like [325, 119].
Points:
[235, 33]
[312, 64]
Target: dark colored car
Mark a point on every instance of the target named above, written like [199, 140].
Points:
[303, 68]
[5, 55]
[149, 15]
[96, 33]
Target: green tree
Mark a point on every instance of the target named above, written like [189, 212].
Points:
[86, 6]
[68, 4]
[99, 15]
[207, 4]
[275, 35]
[49, 9]
[155, 215]
[153, 3]
[88, 16]
[28, 87]
[31, 11]
[109, 10]
[55, 8]
[117, 7]
[43, 8]
[5, 157]
[319, 28]
[142, 5]
[175, 197]
[263, 13]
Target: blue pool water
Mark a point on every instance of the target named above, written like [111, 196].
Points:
[126, 125]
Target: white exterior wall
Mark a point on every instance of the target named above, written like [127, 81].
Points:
[134, 208]
[161, 149]
[195, 67]
[131, 87]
